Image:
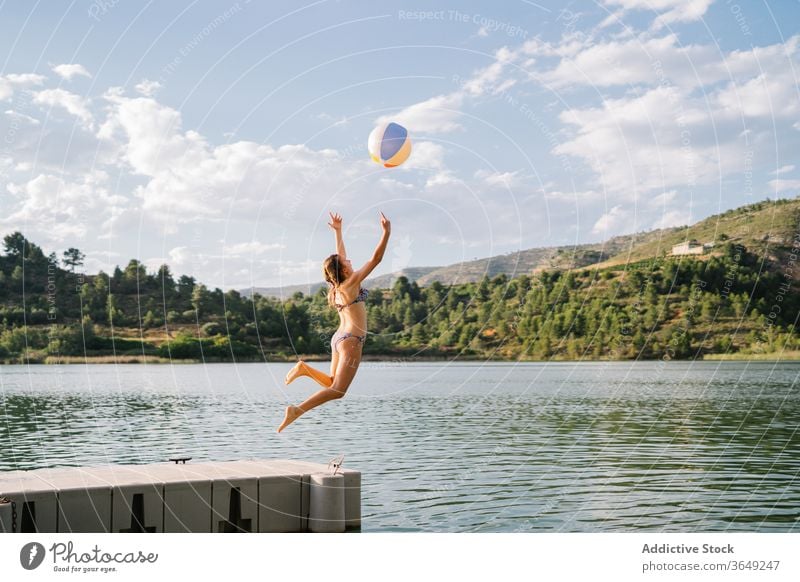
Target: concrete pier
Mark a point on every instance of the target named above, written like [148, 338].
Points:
[232, 496]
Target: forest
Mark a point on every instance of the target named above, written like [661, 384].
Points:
[729, 301]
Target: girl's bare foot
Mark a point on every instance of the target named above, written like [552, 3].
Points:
[298, 370]
[292, 413]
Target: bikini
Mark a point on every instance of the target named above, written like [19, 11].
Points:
[343, 335]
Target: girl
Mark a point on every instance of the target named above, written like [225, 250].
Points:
[347, 296]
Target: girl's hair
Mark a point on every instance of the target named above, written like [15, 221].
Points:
[332, 268]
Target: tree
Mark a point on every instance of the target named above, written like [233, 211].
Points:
[708, 307]
[116, 317]
[135, 272]
[73, 258]
[639, 340]
[401, 287]
[17, 274]
[150, 320]
[35, 255]
[201, 299]
[67, 341]
[635, 280]
[186, 286]
[483, 288]
[116, 279]
[166, 282]
[15, 245]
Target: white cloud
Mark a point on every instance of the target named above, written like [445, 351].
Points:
[613, 18]
[440, 114]
[635, 144]
[443, 178]
[9, 83]
[74, 104]
[147, 87]
[669, 10]
[673, 218]
[616, 63]
[663, 210]
[250, 249]
[52, 145]
[575, 196]
[773, 95]
[784, 169]
[650, 61]
[401, 253]
[190, 180]
[175, 183]
[180, 256]
[307, 268]
[395, 187]
[616, 220]
[435, 115]
[570, 45]
[499, 179]
[425, 155]
[169, 177]
[238, 258]
[62, 210]
[679, 125]
[781, 185]
[22, 117]
[176, 179]
[25, 79]
[490, 80]
[67, 71]
[333, 121]
[153, 142]
[663, 199]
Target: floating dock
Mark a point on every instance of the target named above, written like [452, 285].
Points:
[233, 496]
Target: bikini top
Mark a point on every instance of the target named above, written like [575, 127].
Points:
[362, 295]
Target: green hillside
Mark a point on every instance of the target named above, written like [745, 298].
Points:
[767, 228]
[624, 299]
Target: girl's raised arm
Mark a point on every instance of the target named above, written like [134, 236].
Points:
[377, 256]
[336, 225]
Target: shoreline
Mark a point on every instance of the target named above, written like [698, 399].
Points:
[792, 356]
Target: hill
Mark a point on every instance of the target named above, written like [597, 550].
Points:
[626, 298]
[767, 228]
[379, 282]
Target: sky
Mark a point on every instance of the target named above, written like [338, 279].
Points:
[215, 137]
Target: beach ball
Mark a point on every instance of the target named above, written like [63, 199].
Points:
[389, 144]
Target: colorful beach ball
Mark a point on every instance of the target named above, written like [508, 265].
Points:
[389, 144]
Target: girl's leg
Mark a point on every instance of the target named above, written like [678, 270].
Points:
[303, 369]
[348, 361]
[334, 362]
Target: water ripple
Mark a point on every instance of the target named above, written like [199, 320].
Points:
[499, 447]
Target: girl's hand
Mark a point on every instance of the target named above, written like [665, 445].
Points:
[336, 221]
[385, 224]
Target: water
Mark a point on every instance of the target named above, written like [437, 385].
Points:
[678, 446]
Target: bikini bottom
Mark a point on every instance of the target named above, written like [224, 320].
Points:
[342, 335]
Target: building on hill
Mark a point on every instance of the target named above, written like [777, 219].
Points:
[691, 247]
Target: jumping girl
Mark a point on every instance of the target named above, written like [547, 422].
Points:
[347, 296]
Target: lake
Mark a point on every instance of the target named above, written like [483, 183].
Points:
[456, 447]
